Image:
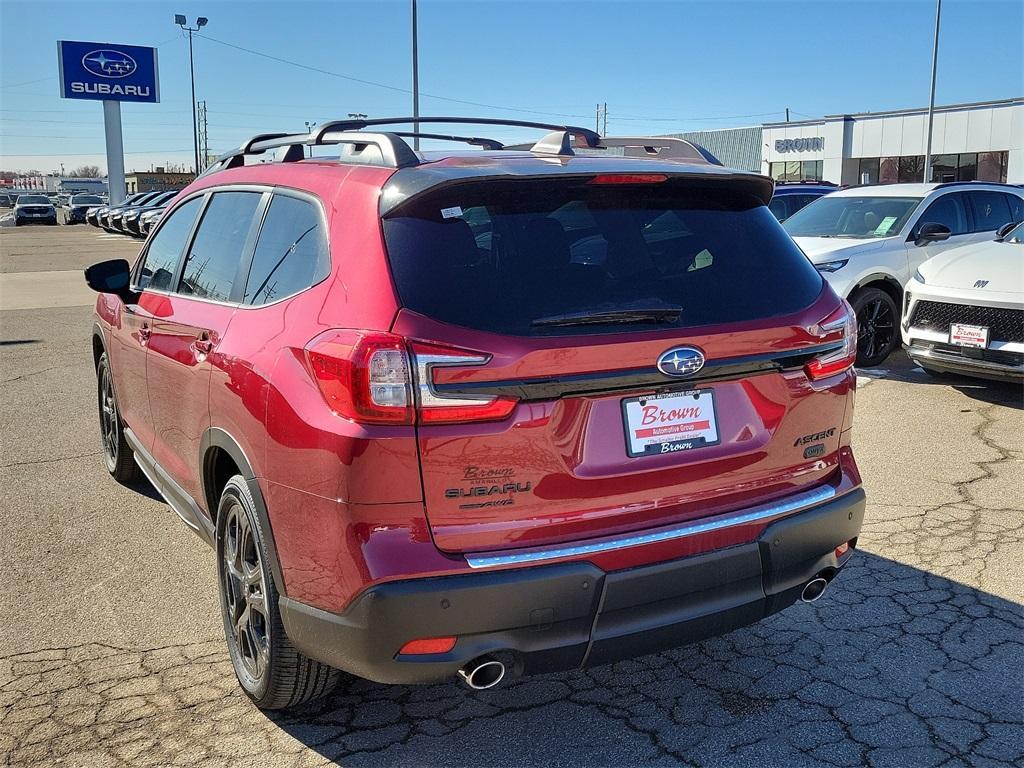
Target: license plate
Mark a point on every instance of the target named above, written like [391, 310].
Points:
[968, 335]
[670, 422]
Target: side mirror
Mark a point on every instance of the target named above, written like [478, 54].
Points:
[111, 276]
[1004, 230]
[932, 233]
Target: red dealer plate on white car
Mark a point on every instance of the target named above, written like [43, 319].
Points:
[968, 335]
[674, 421]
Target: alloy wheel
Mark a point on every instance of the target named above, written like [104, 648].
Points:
[245, 600]
[876, 329]
[108, 417]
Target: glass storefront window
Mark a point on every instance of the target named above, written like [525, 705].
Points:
[967, 167]
[888, 170]
[992, 166]
[868, 173]
[796, 170]
[911, 169]
[943, 168]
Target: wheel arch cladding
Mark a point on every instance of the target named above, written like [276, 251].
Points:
[99, 346]
[883, 282]
[222, 458]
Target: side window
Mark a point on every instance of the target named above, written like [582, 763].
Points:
[949, 210]
[1016, 207]
[291, 253]
[165, 248]
[990, 210]
[216, 250]
[778, 208]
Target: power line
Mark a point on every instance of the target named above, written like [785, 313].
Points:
[386, 86]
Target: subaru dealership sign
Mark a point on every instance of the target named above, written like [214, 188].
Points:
[107, 72]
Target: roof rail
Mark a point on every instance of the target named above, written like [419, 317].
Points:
[389, 148]
[945, 184]
[661, 147]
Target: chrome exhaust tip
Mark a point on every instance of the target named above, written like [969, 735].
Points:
[483, 673]
[814, 589]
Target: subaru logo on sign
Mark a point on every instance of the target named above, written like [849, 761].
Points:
[107, 62]
[681, 361]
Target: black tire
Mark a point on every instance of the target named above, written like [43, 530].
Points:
[271, 671]
[878, 331]
[117, 454]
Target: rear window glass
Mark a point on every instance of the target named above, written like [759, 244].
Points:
[515, 257]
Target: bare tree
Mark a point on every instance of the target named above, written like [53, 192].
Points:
[86, 172]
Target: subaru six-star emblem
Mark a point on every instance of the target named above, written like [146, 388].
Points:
[107, 62]
[681, 361]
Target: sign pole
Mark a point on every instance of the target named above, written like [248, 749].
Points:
[115, 150]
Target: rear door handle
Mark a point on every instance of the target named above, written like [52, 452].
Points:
[203, 345]
[144, 333]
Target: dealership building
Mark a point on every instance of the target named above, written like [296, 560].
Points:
[981, 141]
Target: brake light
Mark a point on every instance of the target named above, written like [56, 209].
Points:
[367, 377]
[363, 377]
[435, 407]
[629, 178]
[841, 325]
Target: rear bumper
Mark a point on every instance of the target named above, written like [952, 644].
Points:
[573, 614]
[961, 361]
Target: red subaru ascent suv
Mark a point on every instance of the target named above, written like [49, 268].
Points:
[483, 412]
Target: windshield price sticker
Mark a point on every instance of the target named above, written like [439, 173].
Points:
[676, 421]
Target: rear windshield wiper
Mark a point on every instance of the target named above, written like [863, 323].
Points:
[657, 314]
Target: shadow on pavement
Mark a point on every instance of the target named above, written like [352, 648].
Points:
[895, 666]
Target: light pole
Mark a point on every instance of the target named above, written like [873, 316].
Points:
[201, 22]
[931, 99]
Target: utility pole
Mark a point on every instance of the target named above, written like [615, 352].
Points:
[204, 137]
[201, 22]
[597, 118]
[931, 98]
[415, 80]
[787, 114]
[604, 115]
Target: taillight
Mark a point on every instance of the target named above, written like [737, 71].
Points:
[367, 377]
[841, 325]
[435, 407]
[363, 376]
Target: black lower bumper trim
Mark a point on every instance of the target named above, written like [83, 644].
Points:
[563, 616]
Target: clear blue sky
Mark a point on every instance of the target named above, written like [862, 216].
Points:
[660, 66]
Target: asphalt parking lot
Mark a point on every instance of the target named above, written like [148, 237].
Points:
[111, 648]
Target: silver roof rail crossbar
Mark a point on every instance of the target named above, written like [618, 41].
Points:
[661, 147]
[392, 150]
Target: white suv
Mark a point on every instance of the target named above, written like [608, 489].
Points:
[868, 241]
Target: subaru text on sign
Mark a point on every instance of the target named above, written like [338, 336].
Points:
[107, 72]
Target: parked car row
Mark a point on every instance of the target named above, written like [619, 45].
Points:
[869, 241]
[135, 216]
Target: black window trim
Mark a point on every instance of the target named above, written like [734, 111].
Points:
[245, 262]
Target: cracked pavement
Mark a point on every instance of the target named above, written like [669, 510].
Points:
[111, 650]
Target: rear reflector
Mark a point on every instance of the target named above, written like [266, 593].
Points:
[841, 549]
[428, 645]
[629, 178]
[841, 325]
